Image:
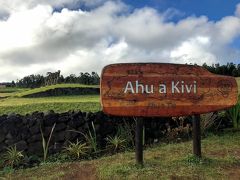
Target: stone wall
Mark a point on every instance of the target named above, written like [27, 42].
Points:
[24, 131]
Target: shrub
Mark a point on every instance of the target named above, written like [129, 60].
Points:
[76, 150]
[115, 143]
[12, 157]
[233, 114]
[45, 144]
[91, 139]
[181, 131]
[126, 132]
[31, 161]
[207, 122]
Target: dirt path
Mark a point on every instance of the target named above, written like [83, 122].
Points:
[80, 172]
[233, 173]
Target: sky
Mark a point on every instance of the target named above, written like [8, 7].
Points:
[40, 36]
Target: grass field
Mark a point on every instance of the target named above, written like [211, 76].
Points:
[221, 160]
[6, 92]
[58, 104]
[12, 100]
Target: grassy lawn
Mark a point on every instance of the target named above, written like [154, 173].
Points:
[9, 91]
[58, 104]
[12, 89]
[221, 160]
[12, 100]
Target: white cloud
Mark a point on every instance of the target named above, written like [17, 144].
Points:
[21, 28]
[35, 38]
[11, 6]
[237, 12]
[194, 51]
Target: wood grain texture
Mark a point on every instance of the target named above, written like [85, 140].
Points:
[137, 89]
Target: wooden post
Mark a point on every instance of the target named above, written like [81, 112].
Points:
[139, 141]
[196, 134]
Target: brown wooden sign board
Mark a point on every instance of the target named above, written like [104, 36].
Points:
[156, 89]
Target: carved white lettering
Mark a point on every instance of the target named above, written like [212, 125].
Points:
[162, 89]
[174, 87]
[177, 87]
[194, 87]
[188, 88]
[147, 89]
[129, 87]
[139, 86]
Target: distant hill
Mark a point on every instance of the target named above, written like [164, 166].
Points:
[61, 90]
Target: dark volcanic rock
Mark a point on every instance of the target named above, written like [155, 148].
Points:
[50, 119]
[35, 138]
[24, 131]
[2, 136]
[35, 148]
[60, 127]
[21, 145]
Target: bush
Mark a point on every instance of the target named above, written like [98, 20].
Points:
[208, 121]
[12, 157]
[126, 132]
[115, 143]
[91, 139]
[182, 130]
[45, 144]
[76, 150]
[233, 114]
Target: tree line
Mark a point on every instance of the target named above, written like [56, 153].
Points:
[230, 69]
[35, 81]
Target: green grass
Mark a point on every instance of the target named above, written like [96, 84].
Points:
[9, 91]
[46, 88]
[12, 100]
[58, 104]
[57, 99]
[170, 161]
[12, 89]
[221, 160]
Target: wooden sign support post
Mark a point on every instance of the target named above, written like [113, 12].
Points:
[196, 134]
[139, 141]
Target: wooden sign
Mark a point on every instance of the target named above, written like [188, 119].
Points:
[155, 89]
